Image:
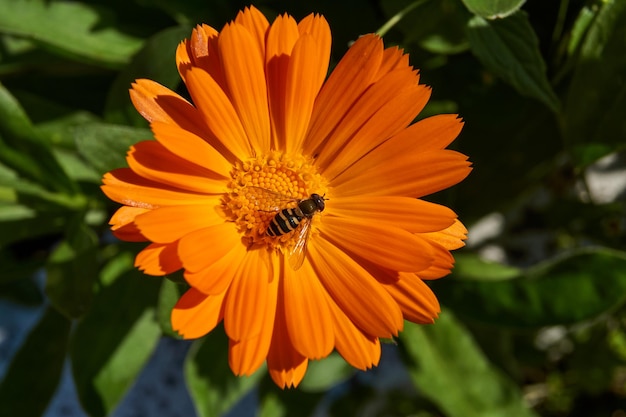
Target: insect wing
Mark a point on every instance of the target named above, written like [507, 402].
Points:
[298, 252]
[266, 200]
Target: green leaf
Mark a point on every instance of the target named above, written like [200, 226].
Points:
[212, 385]
[58, 130]
[168, 297]
[24, 149]
[76, 166]
[14, 189]
[579, 30]
[113, 342]
[81, 31]
[449, 369]
[510, 49]
[595, 103]
[575, 287]
[492, 9]
[72, 269]
[323, 374]
[471, 266]
[105, 146]
[437, 26]
[28, 226]
[35, 371]
[154, 61]
[276, 402]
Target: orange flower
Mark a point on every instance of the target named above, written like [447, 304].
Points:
[263, 133]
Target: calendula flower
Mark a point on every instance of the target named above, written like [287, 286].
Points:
[292, 203]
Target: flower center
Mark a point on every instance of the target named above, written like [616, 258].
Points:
[262, 187]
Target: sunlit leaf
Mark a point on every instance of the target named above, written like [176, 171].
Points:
[470, 266]
[212, 385]
[72, 268]
[35, 371]
[579, 30]
[24, 149]
[449, 369]
[595, 103]
[76, 167]
[324, 374]
[77, 29]
[168, 296]
[113, 342]
[271, 406]
[492, 9]
[104, 146]
[510, 49]
[277, 402]
[437, 26]
[569, 289]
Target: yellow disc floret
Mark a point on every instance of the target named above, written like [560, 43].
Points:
[262, 186]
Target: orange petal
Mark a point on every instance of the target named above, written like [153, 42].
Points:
[183, 58]
[218, 276]
[244, 72]
[317, 26]
[386, 108]
[167, 224]
[393, 58]
[303, 85]
[410, 174]
[308, 319]
[442, 264]
[157, 103]
[159, 259]
[408, 149]
[286, 365]
[203, 45]
[358, 349]
[415, 298]
[245, 356]
[128, 188]
[203, 247]
[387, 246]
[129, 233]
[442, 242]
[450, 238]
[220, 115]
[352, 75]
[123, 226]
[413, 215]
[192, 148]
[281, 38]
[249, 296]
[289, 371]
[196, 314]
[256, 23]
[355, 291]
[125, 215]
[153, 161]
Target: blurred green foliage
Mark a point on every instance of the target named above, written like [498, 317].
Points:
[542, 88]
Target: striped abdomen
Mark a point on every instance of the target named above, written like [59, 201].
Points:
[285, 221]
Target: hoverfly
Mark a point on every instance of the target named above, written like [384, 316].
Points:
[290, 220]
